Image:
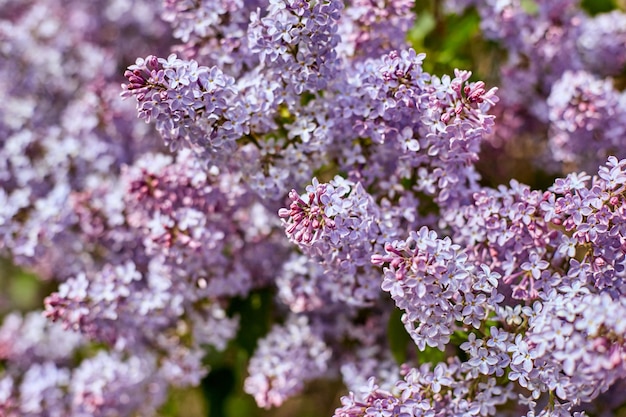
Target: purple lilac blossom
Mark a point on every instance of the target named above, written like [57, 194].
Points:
[42, 377]
[296, 41]
[504, 230]
[601, 43]
[546, 44]
[370, 28]
[63, 124]
[566, 342]
[338, 225]
[377, 101]
[183, 220]
[284, 359]
[586, 119]
[576, 344]
[373, 357]
[302, 285]
[193, 106]
[432, 281]
[380, 138]
[424, 392]
[213, 31]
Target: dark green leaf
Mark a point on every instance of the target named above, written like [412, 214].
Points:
[397, 336]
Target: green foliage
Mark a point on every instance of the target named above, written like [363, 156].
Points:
[594, 7]
[20, 289]
[217, 386]
[397, 337]
[255, 317]
[449, 41]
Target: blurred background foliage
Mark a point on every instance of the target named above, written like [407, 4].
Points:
[450, 41]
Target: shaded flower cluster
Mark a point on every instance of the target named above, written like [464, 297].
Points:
[554, 50]
[284, 360]
[42, 377]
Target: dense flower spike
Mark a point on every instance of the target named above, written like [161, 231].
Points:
[577, 344]
[213, 31]
[296, 40]
[185, 220]
[178, 94]
[29, 339]
[339, 225]
[425, 392]
[370, 28]
[286, 358]
[39, 379]
[433, 282]
[586, 116]
[601, 43]
[562, 248]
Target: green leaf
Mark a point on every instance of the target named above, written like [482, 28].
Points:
[217, 387]
[594, 7]
[530, 6]
[187, 402]
[397, 336]
[424, 24]
[255, 317]
[431, 355]
[21, 289]
[462, 31]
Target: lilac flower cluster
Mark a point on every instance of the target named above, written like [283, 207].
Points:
[437, 144]
[296, 42]
[43, 379]
[578, 345]
[338, 225]
[507, 233]
[568, 258]
[435, 284]
[586, 115]
[214, 31]
[371, 357]
[63, 124]
[557, 51]
[70, 159]
[167, 295]
[373, 101]
[601, 43]
[369, 27]
[177, 94]
[424, 392]
[284, 360]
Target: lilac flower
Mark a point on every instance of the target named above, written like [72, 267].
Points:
[522, 355]
[600, 42]
[284, 360]
[172, 101]
[213, 31]
[287, 24]
[337, 224]
[368, 29]
[584, 115]
[535, 265]
[424, 276]
[483, 363]
[33, 339]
